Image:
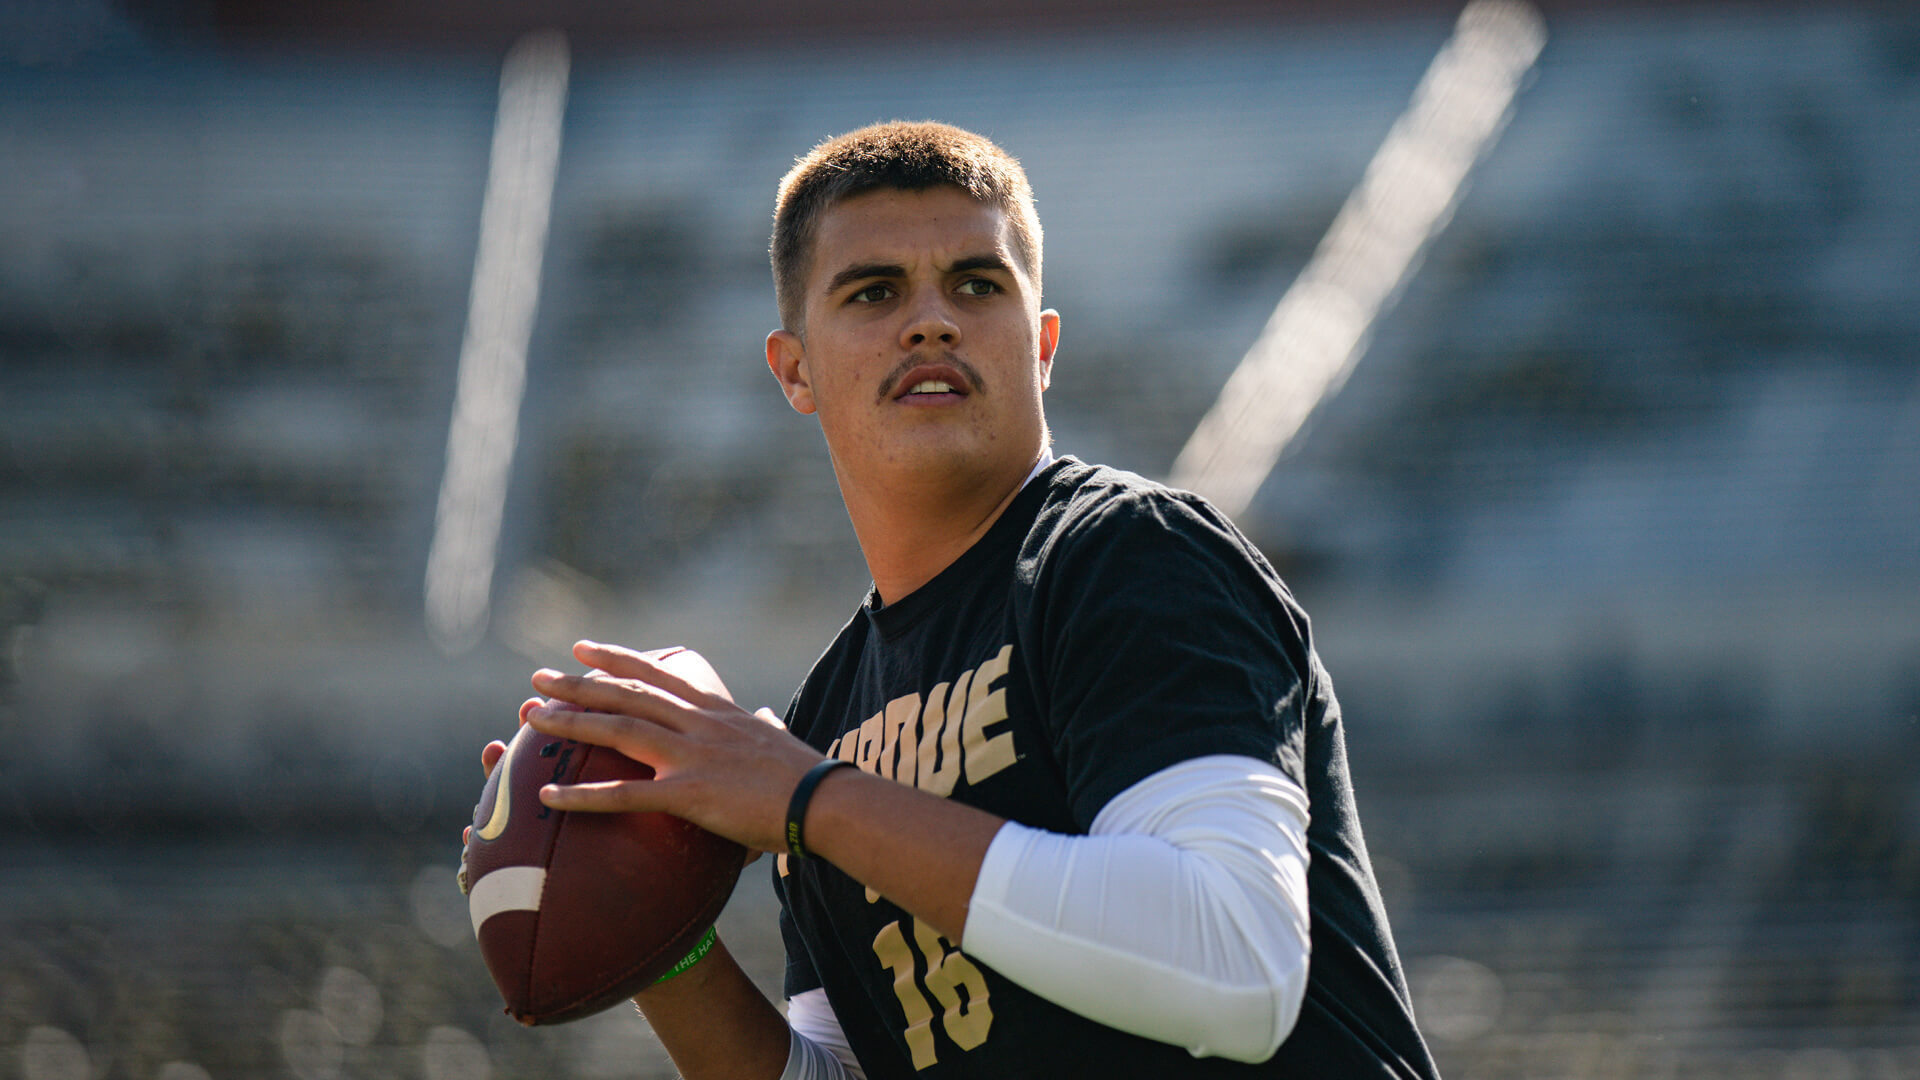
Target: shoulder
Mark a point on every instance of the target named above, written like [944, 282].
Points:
[1094, 511]
[1111, 543]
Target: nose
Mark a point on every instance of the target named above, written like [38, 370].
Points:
[930, 320]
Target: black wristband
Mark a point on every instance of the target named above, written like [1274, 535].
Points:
[797, 807]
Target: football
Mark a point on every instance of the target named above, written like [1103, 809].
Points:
[576, 912]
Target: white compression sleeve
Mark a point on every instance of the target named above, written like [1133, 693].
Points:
[1181, 917]
[819, 1050]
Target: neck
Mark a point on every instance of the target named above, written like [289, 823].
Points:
[912, 527]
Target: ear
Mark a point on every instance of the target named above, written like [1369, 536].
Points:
[1049, 343]
[787, 359]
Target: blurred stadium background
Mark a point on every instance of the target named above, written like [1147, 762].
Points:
[1612, 540]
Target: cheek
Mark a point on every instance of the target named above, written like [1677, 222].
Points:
[848, 380]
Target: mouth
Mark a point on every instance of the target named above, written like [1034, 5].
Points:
[931, 384]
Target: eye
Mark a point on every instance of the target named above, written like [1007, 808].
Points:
[872, 294]
[978, 287]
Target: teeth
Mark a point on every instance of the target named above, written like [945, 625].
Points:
[932, 386]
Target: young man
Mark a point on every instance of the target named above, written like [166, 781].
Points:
[1098, 820]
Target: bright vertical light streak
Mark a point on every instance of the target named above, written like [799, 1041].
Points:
[493, 355]
[1321, 325]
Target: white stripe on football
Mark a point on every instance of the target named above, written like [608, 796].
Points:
[510, 888]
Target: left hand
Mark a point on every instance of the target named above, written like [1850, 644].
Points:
[715, 764]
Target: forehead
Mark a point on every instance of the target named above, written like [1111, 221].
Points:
[908, 228]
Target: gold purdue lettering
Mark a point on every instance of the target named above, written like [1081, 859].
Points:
[987, 754]
[869, 739]
[939, 757]
[931, 743]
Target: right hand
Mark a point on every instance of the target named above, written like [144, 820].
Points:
[715, 764]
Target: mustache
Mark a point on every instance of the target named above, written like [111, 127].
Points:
[966, 370]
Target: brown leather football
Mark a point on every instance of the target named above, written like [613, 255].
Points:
[575, 911]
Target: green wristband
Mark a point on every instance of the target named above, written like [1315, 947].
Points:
[699, 952]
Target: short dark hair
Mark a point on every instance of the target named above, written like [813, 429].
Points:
[902, 156]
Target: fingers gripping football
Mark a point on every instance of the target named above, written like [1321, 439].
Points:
[715, 764]
[690, 681]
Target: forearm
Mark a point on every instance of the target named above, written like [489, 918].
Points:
[715, 1023]
[918, 850]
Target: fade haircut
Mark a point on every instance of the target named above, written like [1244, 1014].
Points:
[900, 156]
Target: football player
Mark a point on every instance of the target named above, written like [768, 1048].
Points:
[1068, 795]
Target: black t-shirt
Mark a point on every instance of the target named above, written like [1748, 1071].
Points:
[1103, 629]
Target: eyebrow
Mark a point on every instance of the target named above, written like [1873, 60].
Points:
[862, 271]
[980, 262]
